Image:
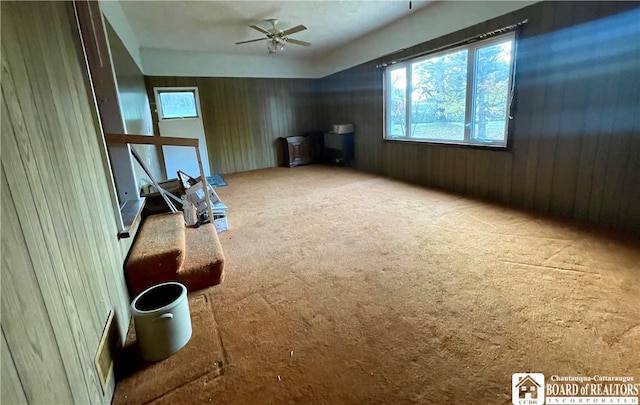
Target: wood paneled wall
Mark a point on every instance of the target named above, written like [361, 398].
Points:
[244, 117]
[134, 104]
[61, 259]
[575, 137]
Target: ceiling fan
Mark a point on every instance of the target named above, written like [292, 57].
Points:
[277, 39]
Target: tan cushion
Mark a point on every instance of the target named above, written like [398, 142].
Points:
[204, 262]
[157, 253]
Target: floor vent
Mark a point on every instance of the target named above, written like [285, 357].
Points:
[106, 352]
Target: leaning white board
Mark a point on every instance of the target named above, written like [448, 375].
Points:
[179, 157]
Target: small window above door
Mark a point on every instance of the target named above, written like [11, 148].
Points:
[177, 103]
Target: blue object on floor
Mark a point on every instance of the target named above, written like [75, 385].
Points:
[216, 181]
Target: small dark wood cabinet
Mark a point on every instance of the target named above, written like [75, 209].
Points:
[302, 150]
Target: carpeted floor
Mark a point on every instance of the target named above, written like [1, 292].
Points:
[347, 288]
[142, 381]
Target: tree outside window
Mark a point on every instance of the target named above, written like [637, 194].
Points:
[457, 96]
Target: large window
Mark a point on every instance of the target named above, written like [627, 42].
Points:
[458, 96]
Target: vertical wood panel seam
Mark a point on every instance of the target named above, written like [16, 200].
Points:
[39, 287]
[4, 337]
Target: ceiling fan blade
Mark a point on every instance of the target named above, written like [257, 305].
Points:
[297, 42]
[255, 27]
[251, 40]
[295, 29]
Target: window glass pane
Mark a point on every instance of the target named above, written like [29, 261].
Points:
[492, 71]
[428, 99]
[438, 97]
[397, 109]
[178, 104]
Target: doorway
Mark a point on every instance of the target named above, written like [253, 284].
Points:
[179, 115]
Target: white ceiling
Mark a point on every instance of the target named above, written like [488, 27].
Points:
[197, 38]
[215, 26]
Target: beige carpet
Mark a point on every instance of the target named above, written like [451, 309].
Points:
[141, 381]
[347, 288]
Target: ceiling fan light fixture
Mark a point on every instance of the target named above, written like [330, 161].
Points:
[274, 46]
[277, 39]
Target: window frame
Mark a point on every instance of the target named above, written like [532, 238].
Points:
[189, 89]
[472, 49]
